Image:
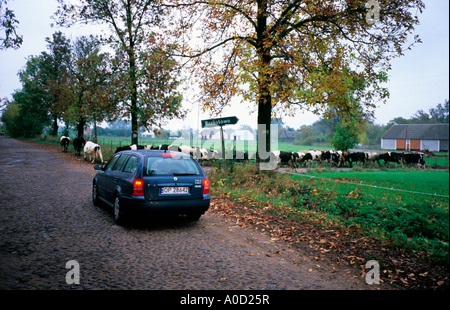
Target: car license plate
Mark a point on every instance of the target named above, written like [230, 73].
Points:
[173, 190]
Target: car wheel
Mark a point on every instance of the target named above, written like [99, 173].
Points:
[118, 212]
[95, 194]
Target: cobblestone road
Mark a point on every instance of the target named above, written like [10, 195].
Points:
[47, 219]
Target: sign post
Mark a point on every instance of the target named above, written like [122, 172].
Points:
[213, 122]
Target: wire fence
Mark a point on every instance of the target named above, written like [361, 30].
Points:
[366, 185]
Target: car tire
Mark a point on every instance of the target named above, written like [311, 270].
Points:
[119, 217]
[95, 200]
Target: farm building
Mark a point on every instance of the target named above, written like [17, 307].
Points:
[288, 136]
[414, 137]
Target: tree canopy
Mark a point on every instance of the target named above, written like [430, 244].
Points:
[329, 57]
[8, 26]
[146, 96]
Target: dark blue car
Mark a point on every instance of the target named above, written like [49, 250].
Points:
[152, 181]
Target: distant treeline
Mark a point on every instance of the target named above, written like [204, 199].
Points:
[109, 132]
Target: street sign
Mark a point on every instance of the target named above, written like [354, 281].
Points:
[219, 121]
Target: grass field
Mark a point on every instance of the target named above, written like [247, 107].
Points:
[408, 208]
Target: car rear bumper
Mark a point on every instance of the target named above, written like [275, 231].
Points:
[140, 205]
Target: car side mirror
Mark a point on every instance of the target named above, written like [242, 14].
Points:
[98, 167]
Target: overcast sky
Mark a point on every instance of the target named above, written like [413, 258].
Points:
[418, 80]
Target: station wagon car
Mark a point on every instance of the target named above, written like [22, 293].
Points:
[152, 182]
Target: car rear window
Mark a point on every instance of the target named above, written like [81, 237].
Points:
[170, 166]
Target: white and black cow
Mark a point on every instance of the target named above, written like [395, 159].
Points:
[78, 144]
[372, 157]
[208, 154]
[283, 157]
[414, 159]
[396, 157]
[167, 147]
[332, 156]
[391, 157]
[64, 141]
[129, 147]
[355, 157]
[93, 150]
[193, 151]
[305, 158]
[310, 156]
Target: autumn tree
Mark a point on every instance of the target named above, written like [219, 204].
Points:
[132, 24]
[55, 76]
[328, 57]
[92, 85]
[8, 28]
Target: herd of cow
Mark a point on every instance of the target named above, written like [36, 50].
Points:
[90, 148]
[293, 159]
[341, 159]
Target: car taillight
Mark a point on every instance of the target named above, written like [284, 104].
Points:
[205, 186]
[138, 187]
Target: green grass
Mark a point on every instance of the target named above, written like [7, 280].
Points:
[427, 182]
[394, 214]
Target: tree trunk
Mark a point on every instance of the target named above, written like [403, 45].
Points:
[264, 78]
[133, 79]
[54, 131]
[95, 130]
[134, 108]
[80, 128]
[264, 119]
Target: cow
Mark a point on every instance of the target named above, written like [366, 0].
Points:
[193, 151]
[283, 157]
[166, 147]
[396, 157]
[298, 156]
[414, 158]
[186, 149]
[386, 157]
[93, 150]
[64, 141]
[130, 147]
[316, 155]
[78, 144]
[332, 156]
[306, 158]
[372, 157]
[174, 148]
[355, 157]
[208, 154]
